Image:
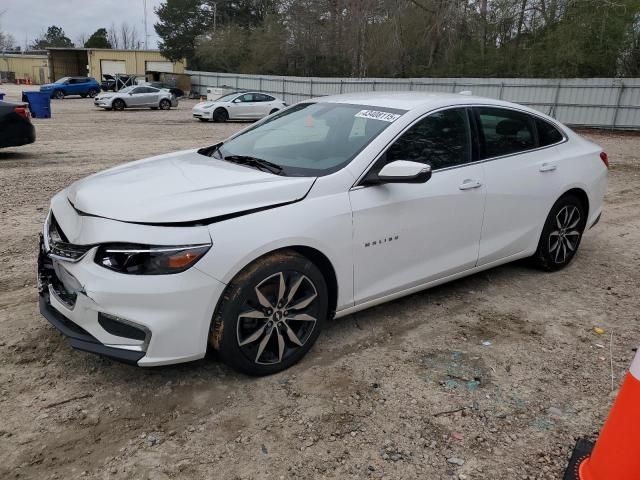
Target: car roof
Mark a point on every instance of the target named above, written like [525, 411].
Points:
[414, 100]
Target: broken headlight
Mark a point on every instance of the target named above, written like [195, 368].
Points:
[149, 260]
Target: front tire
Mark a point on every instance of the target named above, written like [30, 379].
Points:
[58, 94]
[562, 234]
[118, 104]
[270, 314]
[220, 115]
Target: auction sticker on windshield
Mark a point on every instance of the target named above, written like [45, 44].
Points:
[377, 115]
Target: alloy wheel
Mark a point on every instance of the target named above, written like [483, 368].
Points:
[279, 319]
[565, 237]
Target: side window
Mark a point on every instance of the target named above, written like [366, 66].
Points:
[137, 90]
[247, 97]
[505, 131]
[441, 140]
[547, 133]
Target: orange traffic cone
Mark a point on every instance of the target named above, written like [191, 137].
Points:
[615, 455]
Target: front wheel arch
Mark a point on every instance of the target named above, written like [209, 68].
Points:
[315, 256]
[225, 315]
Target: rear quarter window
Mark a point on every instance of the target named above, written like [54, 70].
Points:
[547, 133]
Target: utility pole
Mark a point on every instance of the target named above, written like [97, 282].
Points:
[146, 33]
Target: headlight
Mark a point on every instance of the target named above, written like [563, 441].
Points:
[149, 260]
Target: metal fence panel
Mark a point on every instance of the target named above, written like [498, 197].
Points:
[591, 102]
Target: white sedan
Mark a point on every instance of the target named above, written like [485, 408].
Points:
[238, 106]
[332, 206]
[141, 96]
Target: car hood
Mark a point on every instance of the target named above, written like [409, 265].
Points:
[183, 187]
[104, 96]
[48, 86]
[205, 105]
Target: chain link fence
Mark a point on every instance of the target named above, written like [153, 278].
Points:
[612, 103]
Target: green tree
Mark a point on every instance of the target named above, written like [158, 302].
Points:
[99, 39]
[180, 23]
[53, 37]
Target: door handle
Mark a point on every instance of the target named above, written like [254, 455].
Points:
[470, 184]
[548, 167]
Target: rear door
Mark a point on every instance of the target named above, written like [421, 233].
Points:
[520, 164]
[264, 104]
[246, 107]
[407, 235]
[137, 97]
[151, 96]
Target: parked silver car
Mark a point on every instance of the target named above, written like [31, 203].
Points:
[141, 96]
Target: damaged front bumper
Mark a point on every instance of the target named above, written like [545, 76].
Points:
[147, 320]
[51, 289]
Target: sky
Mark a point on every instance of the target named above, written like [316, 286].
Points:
[27, 19]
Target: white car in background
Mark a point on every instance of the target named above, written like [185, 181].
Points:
[140, 96]
[238, 106]
[332, 206]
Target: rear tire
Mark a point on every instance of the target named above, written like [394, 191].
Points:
[165, 104]
[561, 235]
[93, 92]
[220, 115]
[118, 104]
[270, 314]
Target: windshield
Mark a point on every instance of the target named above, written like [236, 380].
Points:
[63, 80]
[312, 139]
[227, 98]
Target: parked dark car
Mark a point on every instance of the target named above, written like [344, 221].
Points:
[15, 125]
[110, 82]
[83, 86]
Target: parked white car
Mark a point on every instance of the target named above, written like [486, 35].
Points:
[141, 96]
[330, 207]
[238, 106]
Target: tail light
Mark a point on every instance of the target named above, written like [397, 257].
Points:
[22, 111]
[605, 159]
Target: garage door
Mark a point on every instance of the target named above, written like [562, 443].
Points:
[160, 67]
[112, 67]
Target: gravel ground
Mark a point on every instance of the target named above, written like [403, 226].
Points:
[401, 391]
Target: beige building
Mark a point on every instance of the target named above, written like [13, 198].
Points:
[92, 62]
[17, 66]
[95, 62]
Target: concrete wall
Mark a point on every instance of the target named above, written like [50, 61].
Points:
[135, 60]
[31, 67]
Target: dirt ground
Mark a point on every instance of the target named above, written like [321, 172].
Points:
[402, 391]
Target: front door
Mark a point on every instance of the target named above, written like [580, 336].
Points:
[406, 235]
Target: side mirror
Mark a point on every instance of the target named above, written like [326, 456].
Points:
[402, 171]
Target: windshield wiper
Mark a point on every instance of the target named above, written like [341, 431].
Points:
[259, 163]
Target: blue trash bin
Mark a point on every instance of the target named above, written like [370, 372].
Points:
[1, 96]
[39, 104]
